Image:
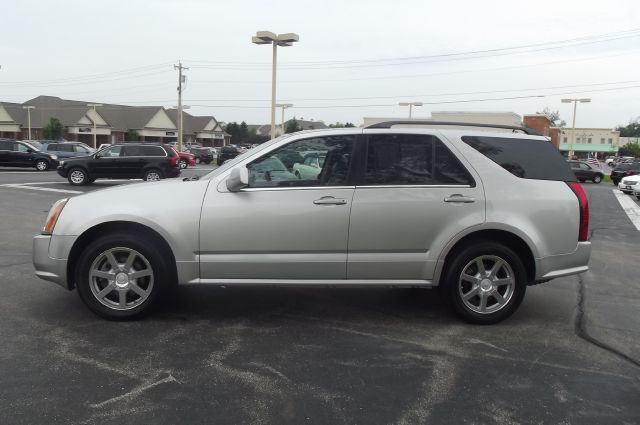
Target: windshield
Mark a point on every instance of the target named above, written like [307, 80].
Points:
[232, 162]
[33, 145]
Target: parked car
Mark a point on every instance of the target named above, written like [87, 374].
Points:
[201, 154]
[623, 170]
[610, 160]
[310, 167]
[122, 161]
[628, 184]
[636, 191]
[228, 152]
[584, 172]
[505, 211]
[186, 159]
[67, 149]
[24, 154]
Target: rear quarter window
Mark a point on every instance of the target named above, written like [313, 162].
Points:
[153, 151]
[525, 158]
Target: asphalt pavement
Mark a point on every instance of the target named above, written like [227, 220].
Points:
[570, 355]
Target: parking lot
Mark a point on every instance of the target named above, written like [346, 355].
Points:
[570, 354]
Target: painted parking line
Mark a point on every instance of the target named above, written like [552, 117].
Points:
[629, 206]
[29, 186]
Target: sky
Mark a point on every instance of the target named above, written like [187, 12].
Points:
[354, 59]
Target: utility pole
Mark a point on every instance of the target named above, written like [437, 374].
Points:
[29, 108]
[181, 79]
[283, 106]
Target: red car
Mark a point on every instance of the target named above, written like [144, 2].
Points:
[187, 159]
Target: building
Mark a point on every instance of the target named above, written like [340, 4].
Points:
[112, 123]
[584, 141]
[496, 118]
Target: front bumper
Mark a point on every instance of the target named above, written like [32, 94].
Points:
[48, 268]
[62, 172]
[564, 265]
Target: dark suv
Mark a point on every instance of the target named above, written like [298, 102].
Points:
[124, 161]
[202, 155]
[227, 153]
[67, 149]
[584, 172]
[23, 154]
[624, 170]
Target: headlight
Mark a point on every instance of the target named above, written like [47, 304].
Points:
[61, 163]
[52, 217]
[54, 156]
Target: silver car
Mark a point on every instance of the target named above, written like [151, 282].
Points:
[480, 213]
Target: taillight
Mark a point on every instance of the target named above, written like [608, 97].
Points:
[628, 173]
[583, 203]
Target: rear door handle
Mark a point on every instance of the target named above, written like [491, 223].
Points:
[330, 200]
[457, 198]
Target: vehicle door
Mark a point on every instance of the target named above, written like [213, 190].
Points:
[153, 157]
[23, 155]
[415, 194]
[6, 152]
[133, 161]
[584, 171]
[106, 163]
[281, 226]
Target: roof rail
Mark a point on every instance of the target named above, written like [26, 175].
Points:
[389, 124]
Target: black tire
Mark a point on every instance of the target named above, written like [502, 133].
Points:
[597, 179]
[453, 286]
[152, 174]
[208, 162]
[42, 165]
[77, 176]
[183, 164]
[156, 284]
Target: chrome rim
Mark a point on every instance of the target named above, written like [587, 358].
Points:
[121, 278]
[77, 176]
[152, 176]
[41, 165]
[486, 284]
[597, 179]
[183, 164]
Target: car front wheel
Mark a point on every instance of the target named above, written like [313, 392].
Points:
[597, 179]
[42, 165]
[120, 276]
[77, 177]
[485, 282]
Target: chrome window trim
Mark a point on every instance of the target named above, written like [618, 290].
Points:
[414, 185]
[279, 189]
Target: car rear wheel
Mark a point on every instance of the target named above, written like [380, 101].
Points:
[77, 177]
[120, 276]
[152, 175]
[183, 164]
[42, 165]
[485, 283]
[597, 179]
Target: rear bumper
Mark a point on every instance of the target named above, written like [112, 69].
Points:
[564, 265]
[48, 268]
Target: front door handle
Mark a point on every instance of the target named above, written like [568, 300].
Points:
[330, 200]
[457, 198]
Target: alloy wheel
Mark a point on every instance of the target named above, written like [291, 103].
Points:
[486, 284]
[77, 176]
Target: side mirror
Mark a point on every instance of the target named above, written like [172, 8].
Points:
[238, 179]
[97, 156]
[29, 150]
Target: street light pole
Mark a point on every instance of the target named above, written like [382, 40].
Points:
[282, 40]
[29, 108]
[573, 123]
[283, 106]
[95, 135]
[410, 105]
[181, 79]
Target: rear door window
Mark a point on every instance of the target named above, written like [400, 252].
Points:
[525, 158]
[152, 151]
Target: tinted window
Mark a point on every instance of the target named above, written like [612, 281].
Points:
[81, 149]
[5, 146]
[411, 159]
[52, 147]
[152, 151]
[61, 148]
[282, 166]
[20, 147]
[525, 158]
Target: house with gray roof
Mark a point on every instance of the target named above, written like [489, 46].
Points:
[111, 122]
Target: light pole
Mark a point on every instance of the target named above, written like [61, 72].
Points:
[283, 40]
[181, 109]
[573, 124]
[95, 114]
[29, 108]
[410, 105]
[283, 106]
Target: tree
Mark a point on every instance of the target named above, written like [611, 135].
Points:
[243, 132]
[132, 135]
[53, 130]
[292, 126]
[630, 149]
[341, 125]
[554, 117]
[630, 130]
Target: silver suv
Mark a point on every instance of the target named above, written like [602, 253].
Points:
[480, 213]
